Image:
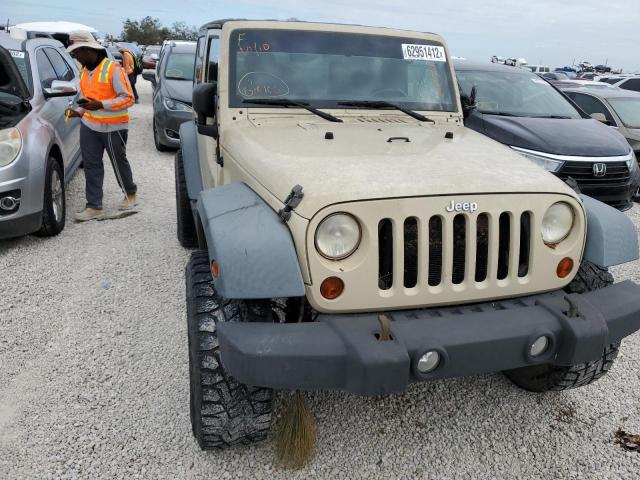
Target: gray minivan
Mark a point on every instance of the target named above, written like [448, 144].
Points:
[172, 88]
[39, 149]
[528, 114]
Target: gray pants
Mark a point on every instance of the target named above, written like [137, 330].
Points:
[93, 144]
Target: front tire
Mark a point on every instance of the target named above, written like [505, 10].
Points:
[224, 412]
[185, 224]
[156, 140]
[547, 377]
[54, 207]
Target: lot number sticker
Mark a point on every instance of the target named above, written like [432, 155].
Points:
[428, 53]
[17, 54]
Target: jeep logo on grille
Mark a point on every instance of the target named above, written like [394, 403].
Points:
[599, 169]
[462, 207]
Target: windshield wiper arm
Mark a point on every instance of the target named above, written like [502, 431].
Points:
[501, 114]
[564, 117]
[384, 104]
[284, 102]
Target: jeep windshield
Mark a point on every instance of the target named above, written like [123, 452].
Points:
[325, 69]
[515, 94]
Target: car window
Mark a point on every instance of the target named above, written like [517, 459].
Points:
[592, 105]
[214, 55]
[199, 61]
[628, 109]
[632, 84]
[179, 66]
[515, 93]
[46, 71]
[63, 70]
[21, 60]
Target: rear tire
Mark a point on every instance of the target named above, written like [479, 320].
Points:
[547, 377]
[187, 235]
[54, 207]
[224, 413]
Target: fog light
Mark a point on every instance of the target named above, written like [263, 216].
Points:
[539, 346]
[429, 362]
[331, 288]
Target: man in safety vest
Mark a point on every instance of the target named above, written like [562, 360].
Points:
[129, 65]
[105, 97]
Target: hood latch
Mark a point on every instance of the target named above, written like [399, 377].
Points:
[291, 202]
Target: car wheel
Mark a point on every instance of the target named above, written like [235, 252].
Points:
[224, 413]
[156, 139]
[54, 208]
[543, 378]
[187, 235]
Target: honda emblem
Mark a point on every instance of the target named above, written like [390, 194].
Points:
[599, 169]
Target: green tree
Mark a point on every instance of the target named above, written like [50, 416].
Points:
[182, 31]
[148, 31]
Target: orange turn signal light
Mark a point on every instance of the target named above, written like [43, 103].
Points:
[215, 269]
[564, 267]
[331, 288]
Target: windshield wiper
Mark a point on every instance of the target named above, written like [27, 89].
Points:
[384, 104]
[502, 114]
[284, 102]
[564, 117]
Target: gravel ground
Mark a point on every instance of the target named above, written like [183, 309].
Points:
[93, 374]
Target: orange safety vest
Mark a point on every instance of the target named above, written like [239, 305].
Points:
[128, 62]
[99, 88]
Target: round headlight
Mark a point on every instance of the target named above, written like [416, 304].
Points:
[10, 145]
[338, 236]
[557, 223]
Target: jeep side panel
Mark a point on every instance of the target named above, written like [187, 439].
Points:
[189, 147]
[250, 243]
[611, 236]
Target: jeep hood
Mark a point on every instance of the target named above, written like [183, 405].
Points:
[360, 163]
[576, 137]
[10, 79]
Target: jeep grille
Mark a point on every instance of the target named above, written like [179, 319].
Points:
[465, 230]
[415, 253]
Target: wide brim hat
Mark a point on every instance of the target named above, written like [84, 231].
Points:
[83, 39]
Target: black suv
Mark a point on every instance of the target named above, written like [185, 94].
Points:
[525, 112]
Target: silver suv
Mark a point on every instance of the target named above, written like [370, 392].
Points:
[39, 150]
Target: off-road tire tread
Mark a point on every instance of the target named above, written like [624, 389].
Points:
[49, 227]
[543, 378]
[186, 227]
[590, 277]
[224, 412]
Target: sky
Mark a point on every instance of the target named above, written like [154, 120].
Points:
[550, 32]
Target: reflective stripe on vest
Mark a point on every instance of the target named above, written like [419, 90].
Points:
[99, 88]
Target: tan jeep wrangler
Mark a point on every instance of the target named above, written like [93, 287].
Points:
[353, 235]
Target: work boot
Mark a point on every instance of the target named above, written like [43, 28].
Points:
[89, 214]
[130, 201]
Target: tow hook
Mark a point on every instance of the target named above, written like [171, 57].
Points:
[385, 328]
[573, 311]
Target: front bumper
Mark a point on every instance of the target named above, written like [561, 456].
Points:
[168, 124]
[341, 352]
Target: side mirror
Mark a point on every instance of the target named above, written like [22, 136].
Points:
[468, 102]
[601, 118]
[150, 77]
[60, 88]
[205, 106]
